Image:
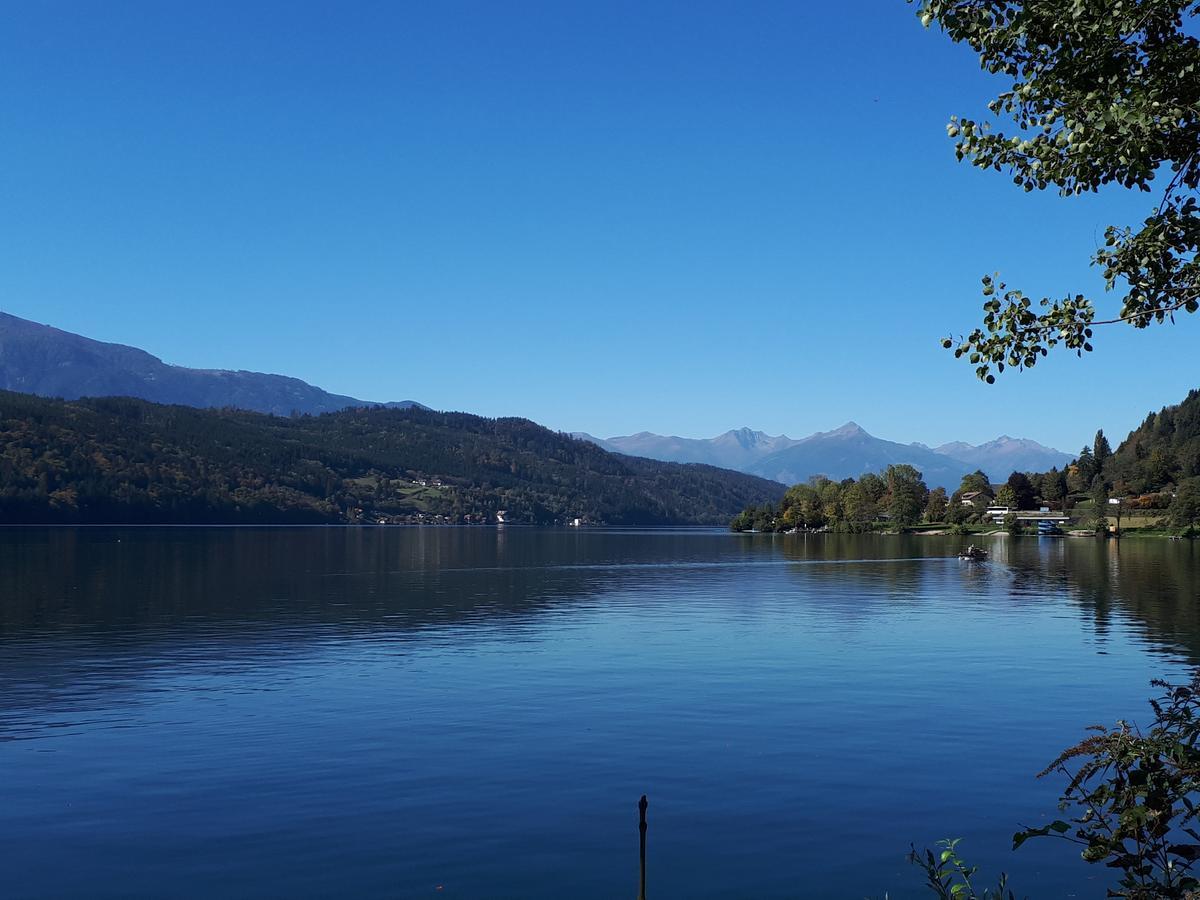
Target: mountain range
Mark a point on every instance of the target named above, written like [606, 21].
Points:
[46, 361]
[845, 452]
[39, 359]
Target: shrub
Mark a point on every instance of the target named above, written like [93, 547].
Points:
[948, 877]
[1136, 796]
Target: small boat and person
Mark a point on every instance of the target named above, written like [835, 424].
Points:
[974, 553]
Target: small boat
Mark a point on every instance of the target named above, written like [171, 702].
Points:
[973, 552]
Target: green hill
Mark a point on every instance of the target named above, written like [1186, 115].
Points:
[130, 461]
[1163, 450]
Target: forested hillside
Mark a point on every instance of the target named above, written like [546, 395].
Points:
[124, 460]
[1163, 450]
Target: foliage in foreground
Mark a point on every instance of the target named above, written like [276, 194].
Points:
[1099, 93]
[948, 876]
[1134, 798]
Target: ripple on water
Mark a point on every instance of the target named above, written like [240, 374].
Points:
[314, 712]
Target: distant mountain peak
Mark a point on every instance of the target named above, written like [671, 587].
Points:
[846, 451]
[47, 361]
[1005, 454]
[747, 437]
[850, 429]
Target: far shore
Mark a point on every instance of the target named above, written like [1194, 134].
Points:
[920, 531]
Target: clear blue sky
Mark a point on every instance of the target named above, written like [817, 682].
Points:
[613, 216]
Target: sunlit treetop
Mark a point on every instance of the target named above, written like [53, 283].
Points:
[1102, 92]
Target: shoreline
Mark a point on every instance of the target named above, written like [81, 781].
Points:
[998, 532]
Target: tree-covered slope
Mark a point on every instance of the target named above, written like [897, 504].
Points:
[125, 460]
[1163, 450]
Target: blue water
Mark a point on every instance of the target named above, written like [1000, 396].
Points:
[475, 713]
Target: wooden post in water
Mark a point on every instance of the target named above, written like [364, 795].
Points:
[642, 804]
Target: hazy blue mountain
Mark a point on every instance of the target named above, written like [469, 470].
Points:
[1005, 455]
[849, 452]
[845, 452]
[599, 442]
[737, 449]
[39, 359]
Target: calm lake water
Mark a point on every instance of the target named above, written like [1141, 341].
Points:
[474, 713]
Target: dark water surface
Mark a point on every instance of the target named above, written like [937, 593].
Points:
[474, 713]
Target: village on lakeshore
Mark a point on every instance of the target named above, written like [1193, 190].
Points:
[1135, 490]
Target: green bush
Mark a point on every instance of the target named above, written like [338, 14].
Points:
[948, 876]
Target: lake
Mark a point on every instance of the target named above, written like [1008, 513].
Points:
[317, 712]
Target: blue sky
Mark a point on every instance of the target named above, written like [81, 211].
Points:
[610, 217]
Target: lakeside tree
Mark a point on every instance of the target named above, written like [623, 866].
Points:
[958, 512]
[1101, 450]
[756, 518]
[1054, 487]
[906, 493]
[874, 487]
[1083, 472]
[831, 499]
[1100, 93]
[1023, 490]
[848, 505]
[935, 506]
[858, 507]
[1006, 497]
[801, 508]
[1185, 508]
[1100, 504]
[975, 481]
[961, 508]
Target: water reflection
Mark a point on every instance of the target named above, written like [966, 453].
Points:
[1152, 584]
[405, 703]
[273, 590]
